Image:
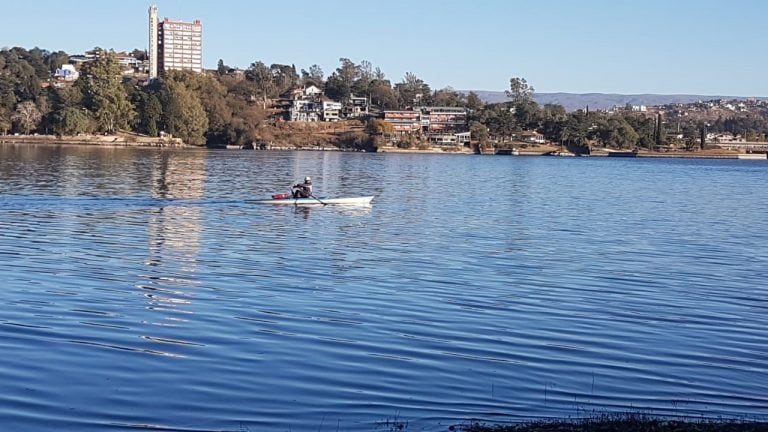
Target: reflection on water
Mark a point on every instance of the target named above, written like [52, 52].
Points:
[174, 231]
[303, 211]
[347, 210]
[139, 288]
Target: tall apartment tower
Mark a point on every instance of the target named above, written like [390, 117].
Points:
[152, 42]
[175, 45]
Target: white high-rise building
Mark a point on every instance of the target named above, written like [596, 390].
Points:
[152, 42]
[175, 45]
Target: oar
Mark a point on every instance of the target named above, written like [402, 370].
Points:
[318, 199]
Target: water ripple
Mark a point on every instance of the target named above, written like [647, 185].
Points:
[140, 290]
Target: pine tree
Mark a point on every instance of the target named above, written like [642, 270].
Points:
[104, 94]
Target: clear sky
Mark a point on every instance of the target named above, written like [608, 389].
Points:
[708, 47]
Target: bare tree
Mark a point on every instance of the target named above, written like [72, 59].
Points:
[27, 116]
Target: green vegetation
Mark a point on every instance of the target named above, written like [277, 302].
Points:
[104, 95]
[201, 109]
[228, 106]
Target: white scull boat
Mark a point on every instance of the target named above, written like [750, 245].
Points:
[317, 201]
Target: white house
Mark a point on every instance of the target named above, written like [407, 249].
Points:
[67, 73]
[304, 111]
[532, 137]
[331, 110]
[356, 107]
[312, 91]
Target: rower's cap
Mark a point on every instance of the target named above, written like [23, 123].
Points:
[307, 179]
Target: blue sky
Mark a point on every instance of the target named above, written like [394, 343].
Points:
[610, 46]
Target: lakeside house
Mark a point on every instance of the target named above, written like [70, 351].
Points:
[440, 125]
[725, 137]
[331, 110]
[357, 106]
[303, 110]
[532, 137]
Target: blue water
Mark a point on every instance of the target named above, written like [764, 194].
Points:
[139, 289]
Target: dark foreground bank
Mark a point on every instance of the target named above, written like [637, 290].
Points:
[624, 424]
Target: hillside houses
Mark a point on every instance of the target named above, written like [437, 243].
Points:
[308, 104]
[130, 66]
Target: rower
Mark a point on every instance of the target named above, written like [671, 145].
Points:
[303, 190]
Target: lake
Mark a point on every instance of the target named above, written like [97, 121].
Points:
[140, 289]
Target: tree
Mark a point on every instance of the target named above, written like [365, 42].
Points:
[479, 132]
[499, 120]
[36, 58]
[221, 68]
[554, 118]
[20, 76]
[412, 91]
[140, 55]
[474, 102]
[56, 59]
[336, 88]
[615, 132]
[575, 129]
[365, 70]
[366, 75]
[27, 116]
[43, 104]
[104, 94]
[378, 74]
[645, 127]
[528, 114]
[261, 77]
[379, 127]
[312, 77]
[5, 120]
[554, 111]
[71, 121]
[150, 114]
[284, 78]
[448, 97]
[339, 84]
[519, 90]
[183, 113]
[65, 97]
[659, 131]
[382, 94]
[348, 72]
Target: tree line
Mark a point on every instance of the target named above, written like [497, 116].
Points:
[200, 109]
[225, 107]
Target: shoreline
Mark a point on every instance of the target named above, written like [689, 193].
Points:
[633, 423]
[119, 140]
[132, 140]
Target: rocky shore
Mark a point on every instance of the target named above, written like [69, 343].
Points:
[121, 140]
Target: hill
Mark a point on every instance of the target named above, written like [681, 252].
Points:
[574, 101]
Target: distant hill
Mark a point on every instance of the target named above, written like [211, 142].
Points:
[574, 101]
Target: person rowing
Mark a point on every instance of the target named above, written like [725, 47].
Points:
[303, 190]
